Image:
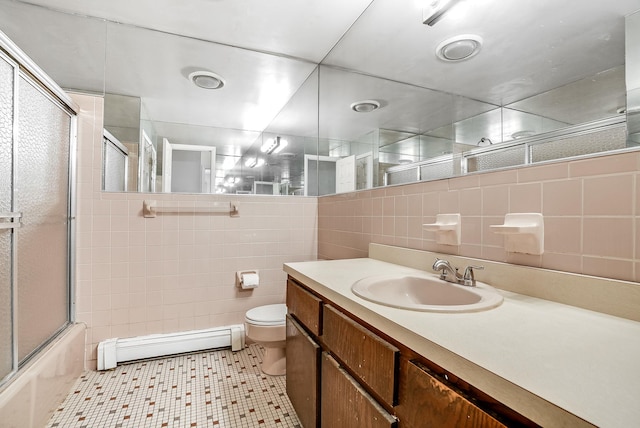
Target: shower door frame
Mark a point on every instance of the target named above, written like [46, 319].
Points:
[25, 68]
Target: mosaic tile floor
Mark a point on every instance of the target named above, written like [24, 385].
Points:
[219, 389]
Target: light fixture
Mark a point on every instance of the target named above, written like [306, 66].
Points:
[206, 80]
[459, 48]
[522, 134]
[365, 106]
[435, 10]
[274, 145]
[254, 163]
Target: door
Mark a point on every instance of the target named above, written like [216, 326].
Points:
[319, 175]
[115, 160]
[147, 165]
[42, 196]
[188, 168]
[345, 403]
[167, 161]
[346, 174]
[37, 131]
[7, 251]
[35, 186]
[303, 374]
[364, 171]
[423, 397]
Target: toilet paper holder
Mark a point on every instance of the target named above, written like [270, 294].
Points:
[240, 279]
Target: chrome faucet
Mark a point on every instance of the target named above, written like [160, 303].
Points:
[450, 274]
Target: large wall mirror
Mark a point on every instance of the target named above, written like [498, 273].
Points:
[334, 97]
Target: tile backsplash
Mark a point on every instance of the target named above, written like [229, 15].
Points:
[138, 276]
[590, 206]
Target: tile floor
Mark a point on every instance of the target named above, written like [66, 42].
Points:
[219, 389]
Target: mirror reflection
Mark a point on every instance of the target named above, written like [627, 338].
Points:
[194, 114]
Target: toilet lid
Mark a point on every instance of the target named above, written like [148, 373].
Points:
[267, 315]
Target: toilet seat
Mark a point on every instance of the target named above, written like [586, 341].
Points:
[268, 315]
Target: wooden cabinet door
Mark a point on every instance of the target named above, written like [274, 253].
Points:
[345, 403]
[427, 402]
[303, 371]
[305, 307]
[371, 359]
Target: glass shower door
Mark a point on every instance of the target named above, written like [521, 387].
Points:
[37, 127]
[42, 195]
[7, 79]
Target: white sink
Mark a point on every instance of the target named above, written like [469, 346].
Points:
[426, 292]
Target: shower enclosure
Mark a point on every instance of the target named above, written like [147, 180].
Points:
[37, 135]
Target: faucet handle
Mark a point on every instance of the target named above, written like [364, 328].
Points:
[468, 277]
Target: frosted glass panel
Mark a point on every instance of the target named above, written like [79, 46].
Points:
[6, 255]
[604, 140]
[42, 187]
[438, 170]
[400, 177]
[114, 169]
[511, 156]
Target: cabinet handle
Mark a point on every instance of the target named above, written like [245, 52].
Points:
[12, 220]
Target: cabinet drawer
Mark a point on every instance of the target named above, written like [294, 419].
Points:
[371, 359]
[305, 307]
[426, 400]
[345, 403]
[303, 373]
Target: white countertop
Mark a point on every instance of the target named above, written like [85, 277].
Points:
[525, 353]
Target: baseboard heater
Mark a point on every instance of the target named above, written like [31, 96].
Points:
[114, 351]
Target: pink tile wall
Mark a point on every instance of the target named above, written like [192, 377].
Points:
[175, 272]
[591, 213]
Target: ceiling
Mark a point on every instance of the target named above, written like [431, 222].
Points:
[268, 53]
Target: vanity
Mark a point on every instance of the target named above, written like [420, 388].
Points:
[530, 361]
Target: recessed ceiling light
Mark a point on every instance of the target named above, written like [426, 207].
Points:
[206, 80]
[365, 106]
[522, 134]
[459, 48]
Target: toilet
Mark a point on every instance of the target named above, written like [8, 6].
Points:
[265, 325]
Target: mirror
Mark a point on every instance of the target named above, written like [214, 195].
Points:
[284, 123]
[178, 116]
[633, 76]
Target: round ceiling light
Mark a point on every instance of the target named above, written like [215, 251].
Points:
[522, 134]
[206, 80]
[365, 106]
[459, 48]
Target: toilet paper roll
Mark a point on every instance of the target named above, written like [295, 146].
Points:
[250, 280]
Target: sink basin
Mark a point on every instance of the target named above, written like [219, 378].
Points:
[426, 292]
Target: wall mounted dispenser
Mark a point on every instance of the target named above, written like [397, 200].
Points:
[247, 279]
